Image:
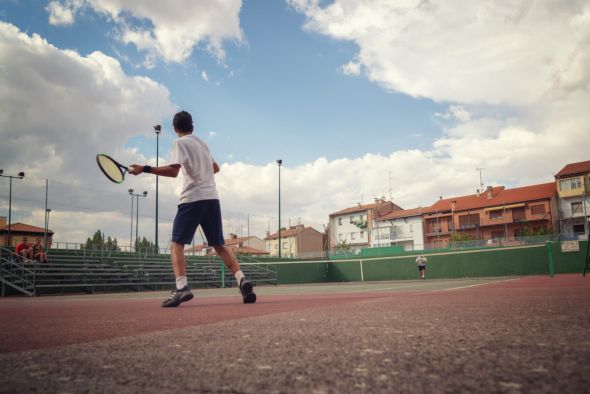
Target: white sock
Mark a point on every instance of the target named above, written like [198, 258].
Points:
[239, 275]
[181, 282]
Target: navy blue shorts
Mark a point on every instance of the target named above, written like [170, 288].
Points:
[190, 215]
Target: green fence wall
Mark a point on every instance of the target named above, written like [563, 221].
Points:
[517, 261]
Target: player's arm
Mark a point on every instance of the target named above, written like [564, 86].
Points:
[169, 170]
[215, 167]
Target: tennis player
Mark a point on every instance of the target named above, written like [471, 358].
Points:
[199, 205]
[421, 261]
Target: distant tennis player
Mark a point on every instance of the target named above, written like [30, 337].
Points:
[421, 261]
[199, 205]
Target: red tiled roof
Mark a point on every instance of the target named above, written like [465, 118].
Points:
[500, 196]
[404, 213]
[242, 250]
[237, 241]
[291, 232]
[365, 207]
[582, 167]
[24, 228]
[357, 208]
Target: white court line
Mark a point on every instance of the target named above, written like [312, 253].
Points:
[479, 284]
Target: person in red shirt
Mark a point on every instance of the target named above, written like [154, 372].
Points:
[24, 249]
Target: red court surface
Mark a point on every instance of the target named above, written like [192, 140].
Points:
[499, 335]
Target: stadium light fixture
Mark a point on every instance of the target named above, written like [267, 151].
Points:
[280, 163]
[158, 130]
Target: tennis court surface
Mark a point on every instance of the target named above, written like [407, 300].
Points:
[513, 335]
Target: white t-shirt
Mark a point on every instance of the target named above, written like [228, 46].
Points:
[192, 153]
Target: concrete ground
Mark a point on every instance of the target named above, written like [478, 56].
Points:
[512, 335]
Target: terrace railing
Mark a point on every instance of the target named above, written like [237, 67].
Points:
[15, 275]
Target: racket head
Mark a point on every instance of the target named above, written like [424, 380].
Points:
[110, 168]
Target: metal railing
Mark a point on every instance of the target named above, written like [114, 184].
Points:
[14, 274]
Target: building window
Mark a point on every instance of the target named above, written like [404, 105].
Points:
[576, 207]
[469, 221]
[340, 221]
[277, 246]
[496, 214]
[579, 229]
[352, 236]
[570, 184]
[538, 209]
[285, 245]
[362, 234]
[340, 238]
[352, 219]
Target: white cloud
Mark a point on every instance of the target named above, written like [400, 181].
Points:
[351, 68]
[59, 109]
[205, 76]
[474, 52]
[63, 13]
[174, 29]
[455, 112]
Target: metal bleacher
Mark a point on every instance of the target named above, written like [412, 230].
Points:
[75, 271]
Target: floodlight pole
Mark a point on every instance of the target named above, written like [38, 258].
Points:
[137, 195]
[47, 212]
[279, 162]
[158, 130]
[131, 228]
[20, 175]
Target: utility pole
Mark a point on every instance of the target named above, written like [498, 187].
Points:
[158, 130]
[279, 162]
[480, 178]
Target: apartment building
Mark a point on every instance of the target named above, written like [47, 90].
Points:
[399, 228]
[496, 213]
[573, 186]
[296, 241]
[353, 225]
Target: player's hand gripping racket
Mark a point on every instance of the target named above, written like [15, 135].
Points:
[113, 170]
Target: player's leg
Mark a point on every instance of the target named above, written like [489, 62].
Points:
[213, 229]
[183, 229]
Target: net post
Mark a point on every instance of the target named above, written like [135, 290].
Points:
[587, 263]
[550, 258]
[362, 273]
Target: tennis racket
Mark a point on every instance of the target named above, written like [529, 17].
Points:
[112, 169]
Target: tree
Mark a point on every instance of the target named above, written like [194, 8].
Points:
[100, 242]
[145, 245]
[457, 237]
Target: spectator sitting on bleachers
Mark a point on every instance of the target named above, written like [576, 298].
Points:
[23, 250]
[38, 252]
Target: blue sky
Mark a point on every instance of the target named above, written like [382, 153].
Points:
[280, 93]
[351, 94]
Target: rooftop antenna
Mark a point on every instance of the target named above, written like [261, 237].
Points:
[390, 196]
[480, 178]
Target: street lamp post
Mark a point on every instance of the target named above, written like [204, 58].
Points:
[279, 162]
[137, 195]
[47, 211]
[131, 227]
[158, 130]
[20, 175]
